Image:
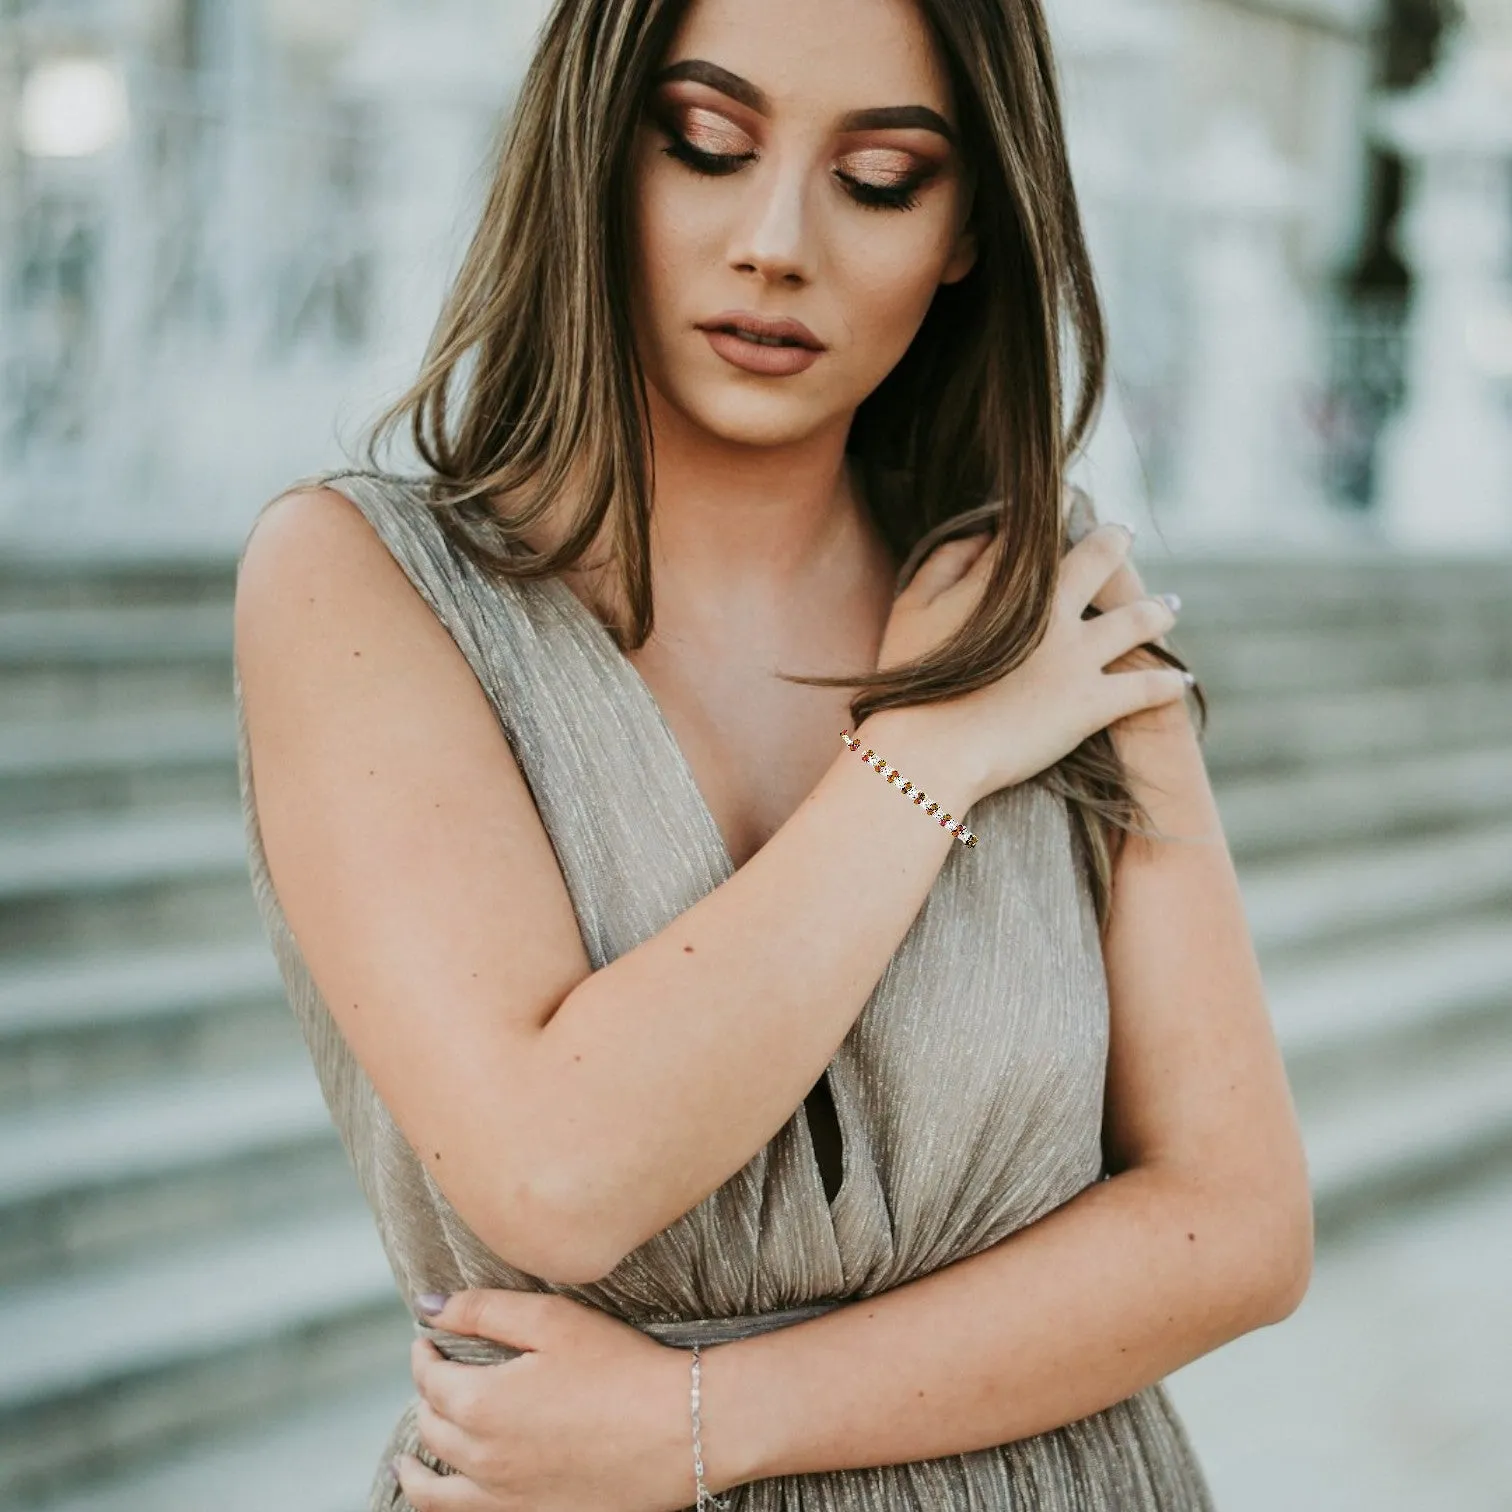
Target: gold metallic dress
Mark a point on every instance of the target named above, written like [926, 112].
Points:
[969, 1091]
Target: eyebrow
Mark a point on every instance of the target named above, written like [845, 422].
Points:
[880, 118]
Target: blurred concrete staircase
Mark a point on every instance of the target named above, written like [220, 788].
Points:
[1361, 752]
[194, 1311]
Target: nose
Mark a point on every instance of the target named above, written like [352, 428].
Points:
[773, 239]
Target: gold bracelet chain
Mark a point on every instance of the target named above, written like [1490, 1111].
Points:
[920, 798]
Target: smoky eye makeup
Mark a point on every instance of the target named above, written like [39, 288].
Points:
[874, 177]
[701, 138]
[885, 176]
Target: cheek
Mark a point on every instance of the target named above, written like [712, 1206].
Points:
[886, 275]
[676, 232]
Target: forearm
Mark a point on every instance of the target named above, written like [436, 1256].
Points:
[1134, 1277]
[661, 1075]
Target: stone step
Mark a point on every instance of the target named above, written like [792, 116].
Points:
[1330, 590]
[1380, 1007]
[53, 767]
[1303, 905]
[74, 579]
[1307, 659]
[1290, 732]
[65, 664]
[88, 881]
[1269, 815]
[318, 1460]
[1375, 1145]
[84, 1181]
[1397, 1051]
[73, 1024]
[138, 1359]
[118, 635]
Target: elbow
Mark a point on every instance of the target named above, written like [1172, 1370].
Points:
[547, 1234]
[1283, 1242]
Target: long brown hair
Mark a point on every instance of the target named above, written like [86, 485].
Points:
[531, 378]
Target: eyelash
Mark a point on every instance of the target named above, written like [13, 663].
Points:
[721, 164]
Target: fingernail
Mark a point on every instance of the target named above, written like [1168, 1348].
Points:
[1173, 600]
[1124, 525]
[1189, 678]
[431, 1303]
[394, 1467]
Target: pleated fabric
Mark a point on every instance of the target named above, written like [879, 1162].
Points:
[969, 1091]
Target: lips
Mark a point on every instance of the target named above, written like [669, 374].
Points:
[763, 330]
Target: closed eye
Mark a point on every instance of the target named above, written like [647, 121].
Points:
[713, 164]
[899, 196]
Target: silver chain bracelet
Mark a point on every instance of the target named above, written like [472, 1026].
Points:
[705, 1497]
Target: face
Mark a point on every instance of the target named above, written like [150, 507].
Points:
[797, 164]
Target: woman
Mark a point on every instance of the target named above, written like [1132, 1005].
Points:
[737, 1129]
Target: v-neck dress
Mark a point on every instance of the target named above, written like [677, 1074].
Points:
[968, 1092]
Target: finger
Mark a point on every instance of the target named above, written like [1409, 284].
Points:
[517, 1318]
[457, 1392]
[1119, 630]
[947, 564]
[423, 1354]
[449, 1443]
[428, 1492]
[1123, 587]
[1147, 688]
[1089, 565]
[977, 570]
[1081, 516]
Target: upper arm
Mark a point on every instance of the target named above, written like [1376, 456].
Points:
[406, 850]
[1196, 1081]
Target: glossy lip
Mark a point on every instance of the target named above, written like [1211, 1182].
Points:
[764, 325]
[766, 361]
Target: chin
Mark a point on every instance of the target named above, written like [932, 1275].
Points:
[751, 418]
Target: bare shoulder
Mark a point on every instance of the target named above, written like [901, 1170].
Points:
[311, 544]
[323, 610]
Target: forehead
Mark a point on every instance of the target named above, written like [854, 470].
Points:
[820, 55]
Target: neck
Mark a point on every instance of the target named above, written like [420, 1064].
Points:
[734, 521]
[738, 526]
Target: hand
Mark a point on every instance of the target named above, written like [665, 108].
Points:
[1061, 693]
[593, 1418]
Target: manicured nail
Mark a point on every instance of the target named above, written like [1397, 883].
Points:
[1189, 678]
[1173, 600]
[1124, 525]
[431, 1303]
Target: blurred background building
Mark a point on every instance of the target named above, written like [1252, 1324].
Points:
[224, 230]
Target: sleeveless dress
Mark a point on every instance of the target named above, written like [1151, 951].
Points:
[968, 1092]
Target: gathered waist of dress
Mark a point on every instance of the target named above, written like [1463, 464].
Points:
[680, 1333]
[684, 1333]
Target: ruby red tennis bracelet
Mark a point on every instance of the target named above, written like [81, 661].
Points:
[919, 796]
